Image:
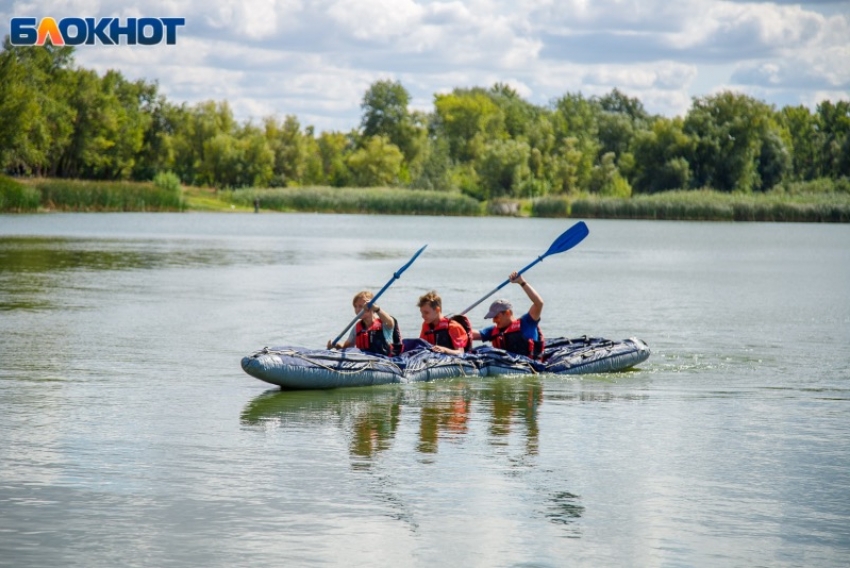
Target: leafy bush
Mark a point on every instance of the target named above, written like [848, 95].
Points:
[167, 181]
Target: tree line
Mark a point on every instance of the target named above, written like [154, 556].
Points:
[60, 120]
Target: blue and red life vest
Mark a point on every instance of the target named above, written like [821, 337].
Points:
[512, 340]
[372, 340]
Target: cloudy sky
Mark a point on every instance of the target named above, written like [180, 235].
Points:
[315, 59]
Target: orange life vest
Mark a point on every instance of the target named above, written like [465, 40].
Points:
[438, 334]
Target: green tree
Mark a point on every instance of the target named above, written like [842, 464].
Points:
[314, 173]
[436, 170]
[661, 157]
[518, 114]
[774, 160]
[334, 149]
[47, 121]
[575, 122]
[378, 163]
[503, 168]
[577, 116]
[221, 160]
[108, 131]
[385, 113]
[19, 114]
[257, 160]
[157, 152]
[729, 130]
[570, 168]
[806, 139]
[617, 102]
[606, 180]
[834, 123]
[385, 110]
[290, 149]
[195, 129]
[467, 119]
[616, 132]
[85, 154]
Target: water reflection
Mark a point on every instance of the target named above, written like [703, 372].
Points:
[565, 508]
[373, 417]
[32, 269]
[374, 429]
[516, 401]
[22, 255]
[421, 420]
[444, 413]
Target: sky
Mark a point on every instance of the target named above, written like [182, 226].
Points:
[316, 59]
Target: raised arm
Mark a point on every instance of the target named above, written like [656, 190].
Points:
[536, 308]
[386, 318]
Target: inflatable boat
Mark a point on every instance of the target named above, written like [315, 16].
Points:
[563, 356]
[302, 368]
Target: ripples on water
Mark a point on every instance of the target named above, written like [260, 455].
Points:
[132, 437]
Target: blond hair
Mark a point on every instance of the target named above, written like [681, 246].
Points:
[432, 299]
[365, 295]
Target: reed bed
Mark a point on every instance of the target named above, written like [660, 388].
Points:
[80, 195]
[358, 200]
[551, 206]
[705, 205]
[17, 197]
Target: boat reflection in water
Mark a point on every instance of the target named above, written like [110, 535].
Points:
[479, 423]
[372, 418]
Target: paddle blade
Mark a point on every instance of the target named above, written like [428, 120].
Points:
[409, 262]
[570, 238]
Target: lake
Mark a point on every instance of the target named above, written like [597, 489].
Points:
[131, 436]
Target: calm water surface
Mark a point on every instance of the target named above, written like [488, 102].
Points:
[131, 437]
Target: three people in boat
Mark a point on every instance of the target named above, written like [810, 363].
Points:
[377, 331]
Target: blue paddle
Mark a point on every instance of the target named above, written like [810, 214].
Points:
[396, 276]
[568, 239]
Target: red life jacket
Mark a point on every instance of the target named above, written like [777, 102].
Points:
[512, 340]
[438, 334]
[371, 339]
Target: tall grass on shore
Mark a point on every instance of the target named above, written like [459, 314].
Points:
[80, 195]
[705, 205]
[358, 200]
[17, 197]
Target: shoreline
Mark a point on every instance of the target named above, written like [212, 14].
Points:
[49, 195]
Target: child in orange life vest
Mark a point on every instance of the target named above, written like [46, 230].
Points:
[375, 332]
[445, 335]
[521, 336]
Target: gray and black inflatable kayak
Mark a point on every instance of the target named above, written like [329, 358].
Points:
[302, 368]
[563, 356]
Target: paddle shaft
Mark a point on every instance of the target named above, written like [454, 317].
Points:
[361, 312]
[567, 240]
[396, 276]
[499, 287]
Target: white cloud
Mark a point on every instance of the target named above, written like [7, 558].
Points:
[376, 20]
[316, 59]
